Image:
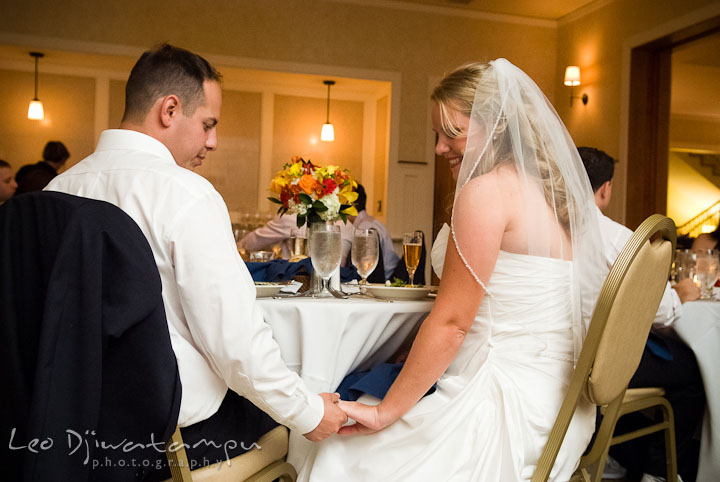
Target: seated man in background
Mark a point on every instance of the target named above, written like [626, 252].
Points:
[7, 183]
[279, 230]
[233, 377]
[364, 221]
[666, 362]
[34, 177]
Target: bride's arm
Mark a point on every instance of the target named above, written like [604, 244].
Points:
[480, 221]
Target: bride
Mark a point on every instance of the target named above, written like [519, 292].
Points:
[507, 325]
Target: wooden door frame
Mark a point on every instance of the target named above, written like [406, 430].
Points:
[648, 118]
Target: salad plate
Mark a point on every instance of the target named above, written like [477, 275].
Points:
[399, 292]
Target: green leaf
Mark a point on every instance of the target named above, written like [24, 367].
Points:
[319, 206]
[275, 200]
[343, 216]
[305, 198]
[300, 221]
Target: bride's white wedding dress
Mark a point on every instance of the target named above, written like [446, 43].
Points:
[495, 405]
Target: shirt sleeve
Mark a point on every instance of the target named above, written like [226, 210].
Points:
[275, 231]
[218, 301]
[670, 309]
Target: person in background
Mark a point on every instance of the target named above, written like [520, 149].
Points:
[278, 230]
[666, 362]
[707, 240]
[233, 376]
[34, 177]
[364, 221]
[7, 183]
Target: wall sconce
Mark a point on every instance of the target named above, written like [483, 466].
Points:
[572, 79]
[328, 132]
[35, 109]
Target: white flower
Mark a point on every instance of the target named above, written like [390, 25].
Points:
[332, 203]
[296, 208]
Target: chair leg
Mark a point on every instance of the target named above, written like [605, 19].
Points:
[279, 470]
[670, 449]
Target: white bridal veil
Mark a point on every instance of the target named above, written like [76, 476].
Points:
[513, 124]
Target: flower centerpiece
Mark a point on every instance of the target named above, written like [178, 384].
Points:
[314, 193]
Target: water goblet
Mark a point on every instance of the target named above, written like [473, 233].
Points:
[707, 268]
[684, 265]
[365, 252]
[412, 244]
[325, 253]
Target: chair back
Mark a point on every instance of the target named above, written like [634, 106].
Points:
[619, 327]
[85, 353]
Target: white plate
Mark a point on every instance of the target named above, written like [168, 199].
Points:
[399, 292]
[267, 289]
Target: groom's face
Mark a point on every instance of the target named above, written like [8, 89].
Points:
[452, 148]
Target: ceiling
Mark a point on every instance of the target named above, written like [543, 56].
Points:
[542, 9]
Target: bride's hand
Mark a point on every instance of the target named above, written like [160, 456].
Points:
[368, 418]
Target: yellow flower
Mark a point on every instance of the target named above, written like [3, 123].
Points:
[347, 195]
[296, 169]
[351, 211]
[279, 182]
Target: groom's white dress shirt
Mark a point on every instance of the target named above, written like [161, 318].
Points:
[615, 235]
[217, 331]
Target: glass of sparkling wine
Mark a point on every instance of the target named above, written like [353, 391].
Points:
[298, 244]
[325, 252]
[365, 252]
[707, 268]
[412, 244]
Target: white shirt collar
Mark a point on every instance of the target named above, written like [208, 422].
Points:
[123, 139]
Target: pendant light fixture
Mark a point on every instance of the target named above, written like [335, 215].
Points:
[328, 132]
[35, 109]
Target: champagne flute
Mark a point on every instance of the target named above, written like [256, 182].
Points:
[707, 268]
[412, 244]
[365, 252]
[298, 244]
[325, 253]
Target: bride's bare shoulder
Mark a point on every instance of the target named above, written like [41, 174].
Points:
[498, 186]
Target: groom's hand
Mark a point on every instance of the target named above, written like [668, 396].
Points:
[331, 422]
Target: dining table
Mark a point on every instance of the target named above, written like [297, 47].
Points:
[325, 339]
[699, 328]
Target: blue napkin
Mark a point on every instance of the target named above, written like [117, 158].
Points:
[658, 347]
[375, 382]
[282, 270]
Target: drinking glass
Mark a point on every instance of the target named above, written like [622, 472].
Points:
[412, 244]
[684, 265]
[707, 268]
[365, 252]
[325, 253]
[298, 244]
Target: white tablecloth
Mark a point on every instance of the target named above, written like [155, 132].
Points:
[325, 339]
[699, 327]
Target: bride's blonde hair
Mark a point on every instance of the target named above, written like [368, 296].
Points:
[456, 93]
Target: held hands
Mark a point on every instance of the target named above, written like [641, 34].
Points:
[332, 420]
[368, 418]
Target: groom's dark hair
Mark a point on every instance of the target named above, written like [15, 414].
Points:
[600, 167]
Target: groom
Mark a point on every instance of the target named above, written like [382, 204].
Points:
[666, 362]
[233, 378]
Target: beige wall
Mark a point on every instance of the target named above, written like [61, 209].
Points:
[597, 42]
[311, 36]
[695, 133]
[690, 192]
[69, 105]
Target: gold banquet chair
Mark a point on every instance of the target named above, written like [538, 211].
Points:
[613, 348]
[263, 464]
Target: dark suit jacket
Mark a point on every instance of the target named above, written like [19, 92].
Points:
[85, 355]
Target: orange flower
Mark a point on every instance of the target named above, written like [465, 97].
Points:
[307, 183]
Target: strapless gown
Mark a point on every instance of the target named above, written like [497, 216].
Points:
[494, 407]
